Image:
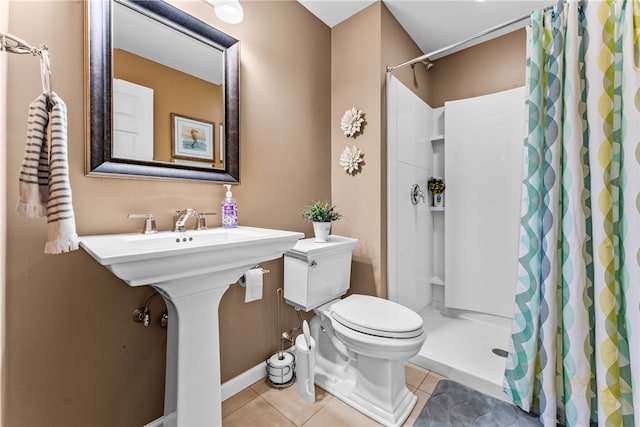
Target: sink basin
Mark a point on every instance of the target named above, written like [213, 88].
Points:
[144, 259]
[191, 270]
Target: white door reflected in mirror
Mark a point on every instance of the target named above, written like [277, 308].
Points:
[132, 121]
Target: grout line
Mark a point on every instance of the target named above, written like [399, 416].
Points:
[244, 404]
[281, 413]
[328, 400]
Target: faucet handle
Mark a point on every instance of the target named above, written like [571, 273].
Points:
[416, 193]
[149, 222]
[201, 223]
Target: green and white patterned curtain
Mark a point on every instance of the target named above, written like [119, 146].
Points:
[575, 345]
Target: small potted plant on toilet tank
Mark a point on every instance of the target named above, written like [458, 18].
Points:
[322, 214]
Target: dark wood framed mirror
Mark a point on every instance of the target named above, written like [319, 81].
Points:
[184, 143]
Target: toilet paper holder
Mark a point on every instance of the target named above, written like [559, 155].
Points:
[243, 281]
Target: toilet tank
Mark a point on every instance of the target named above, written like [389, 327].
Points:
[316, 273]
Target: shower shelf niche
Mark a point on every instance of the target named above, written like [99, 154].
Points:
[436, 278]
[436, 140]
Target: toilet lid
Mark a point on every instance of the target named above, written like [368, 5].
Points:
[377, 316]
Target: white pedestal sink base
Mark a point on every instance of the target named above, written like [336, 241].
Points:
[163, 421]
[191, 270]
[192, 383]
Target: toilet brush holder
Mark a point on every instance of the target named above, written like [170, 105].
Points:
[305, 368]
[281, 369]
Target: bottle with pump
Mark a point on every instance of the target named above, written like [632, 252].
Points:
[229, 210]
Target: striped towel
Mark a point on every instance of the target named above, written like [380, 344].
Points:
[44, 187]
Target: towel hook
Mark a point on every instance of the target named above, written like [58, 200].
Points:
[12, 44]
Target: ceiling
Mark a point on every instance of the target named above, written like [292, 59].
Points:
[435, 24]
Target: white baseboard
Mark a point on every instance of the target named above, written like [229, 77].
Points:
[244, 380]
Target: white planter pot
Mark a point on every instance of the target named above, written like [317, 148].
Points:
[322, 231]
[438, 200]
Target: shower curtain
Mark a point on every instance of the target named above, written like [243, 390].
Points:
[575, 353]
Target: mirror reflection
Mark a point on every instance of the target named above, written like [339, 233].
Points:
[167, 95]
[170, 93]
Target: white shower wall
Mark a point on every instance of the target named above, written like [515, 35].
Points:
[483, 162]
[460, 342]
[409, 160]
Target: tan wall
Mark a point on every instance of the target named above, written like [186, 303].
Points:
[355, 81]
[398, 47]
[4, 26]
[74, 357]
[186, 96]
[493, 66]
[358, 67]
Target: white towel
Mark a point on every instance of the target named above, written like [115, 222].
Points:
[44, 187]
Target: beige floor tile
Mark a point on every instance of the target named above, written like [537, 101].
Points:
[293, 406]
[237, 400]
[261, 386]
[414, 375]
[429, 383]
[263, 405]
[336, 413]
[422, 400]
[256, 413]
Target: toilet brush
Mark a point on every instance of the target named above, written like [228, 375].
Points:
[305, 366]
[307, 337]
[307, 333]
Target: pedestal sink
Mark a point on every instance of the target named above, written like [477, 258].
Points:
[191, 270]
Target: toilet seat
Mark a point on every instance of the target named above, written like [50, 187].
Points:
[376, 316]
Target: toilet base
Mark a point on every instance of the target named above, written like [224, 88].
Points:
[365, 372]
[381, 394]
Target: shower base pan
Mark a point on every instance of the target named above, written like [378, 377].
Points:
[462, 347]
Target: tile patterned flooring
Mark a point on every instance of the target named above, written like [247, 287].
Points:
[261, 405]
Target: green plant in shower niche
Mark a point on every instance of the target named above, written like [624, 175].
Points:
[321, 212]
[435, 185]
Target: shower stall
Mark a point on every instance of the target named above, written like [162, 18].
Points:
[456, 265]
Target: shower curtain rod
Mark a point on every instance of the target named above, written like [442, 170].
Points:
[428, 56]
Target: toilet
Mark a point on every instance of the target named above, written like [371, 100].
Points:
[362, 342]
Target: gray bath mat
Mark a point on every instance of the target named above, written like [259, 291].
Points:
[456, 405]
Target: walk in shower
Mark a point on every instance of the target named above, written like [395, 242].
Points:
[456, 265]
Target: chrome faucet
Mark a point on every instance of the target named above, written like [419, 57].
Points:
[181, 217]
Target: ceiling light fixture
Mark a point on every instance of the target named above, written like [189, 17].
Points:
[229, 11]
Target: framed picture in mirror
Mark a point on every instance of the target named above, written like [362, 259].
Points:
[192, 139]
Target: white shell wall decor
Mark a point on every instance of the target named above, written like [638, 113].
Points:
[351, 159]
[351, 122]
